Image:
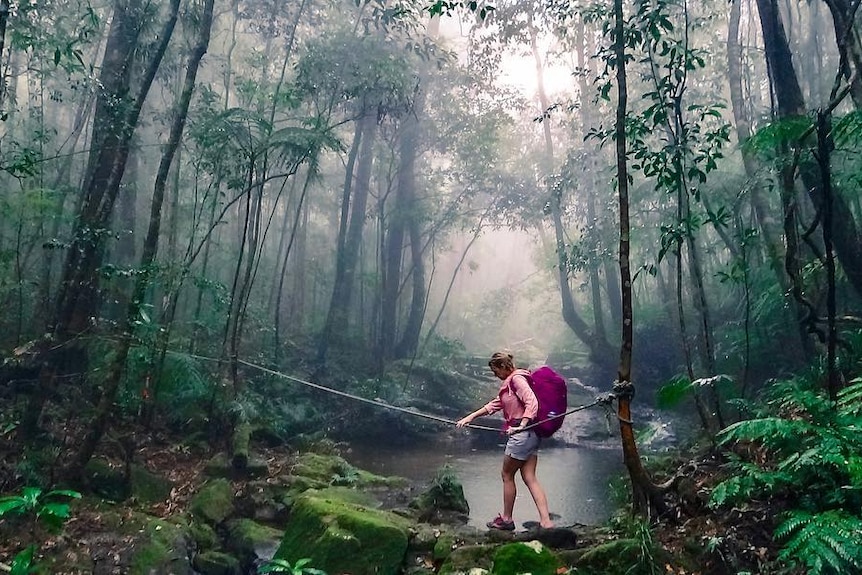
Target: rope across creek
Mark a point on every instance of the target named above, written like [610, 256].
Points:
[601, 400]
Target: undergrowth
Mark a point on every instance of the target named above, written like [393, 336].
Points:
[805, 451]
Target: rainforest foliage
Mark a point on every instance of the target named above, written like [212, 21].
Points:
[198, 195]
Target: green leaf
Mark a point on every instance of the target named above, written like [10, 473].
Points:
[13, 503]
[673, 393]
[23, 561]
[60, 510]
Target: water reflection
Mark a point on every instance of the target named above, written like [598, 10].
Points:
[576, 479]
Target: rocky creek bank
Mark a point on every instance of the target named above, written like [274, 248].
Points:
[285, 512]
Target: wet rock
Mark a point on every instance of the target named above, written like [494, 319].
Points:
[467, 558]
[555, 537]
[160, 547]
[204, 537]
[222, 466]
[149, 487]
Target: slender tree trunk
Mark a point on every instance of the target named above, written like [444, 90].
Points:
[347, 259]
[294, 229]
[418, 302]
[645, 495]
[848, 42]
[4, 18]
[824, 151]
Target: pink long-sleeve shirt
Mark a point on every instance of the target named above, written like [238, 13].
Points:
[515, 398]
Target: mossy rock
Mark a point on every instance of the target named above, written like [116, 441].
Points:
[214, 502]
[149, 487]
[106, 480]
[217, 563]
[444, 500]
[346, 494]
[467, 558]
[342, 537]
[335, 470]
[162, 547]
[530, 557]
[250, 540]
[424, 537]
[444, 546]
[203, 535]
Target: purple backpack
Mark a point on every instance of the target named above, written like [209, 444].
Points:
[550, 390]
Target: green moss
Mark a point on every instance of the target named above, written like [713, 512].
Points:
[530, 557]
[335, 470]
[250, 539]
[341, 537]
[444, 494]
[161, 549]
[468, 557]
[348, 495]
[148, 487]
[216, 563]
[106, 481]
[214, 502]
[203, 535]
[443, 547]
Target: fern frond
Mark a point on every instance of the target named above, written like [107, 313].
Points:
[850, 399]
[825, 542]
[766, 430]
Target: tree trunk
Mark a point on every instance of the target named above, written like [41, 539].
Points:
[150, 250]
[601, 352]
[114, 124]
[113, 129]
[645, 495]
[294, 229]
[418, 303]
[347, 258]
[788, 94]
[848, 42]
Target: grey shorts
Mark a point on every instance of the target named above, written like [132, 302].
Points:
[522, 446]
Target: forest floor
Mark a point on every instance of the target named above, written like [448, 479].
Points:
[690, 538]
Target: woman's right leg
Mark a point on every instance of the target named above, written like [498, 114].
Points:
[510, 490]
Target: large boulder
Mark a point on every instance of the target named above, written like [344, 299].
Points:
[343, 537]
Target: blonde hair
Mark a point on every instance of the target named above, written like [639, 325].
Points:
[502, 359]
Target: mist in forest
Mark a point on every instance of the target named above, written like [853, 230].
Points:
[337, 190]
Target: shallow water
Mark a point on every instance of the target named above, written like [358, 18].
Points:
[576, 479]
[576, 468]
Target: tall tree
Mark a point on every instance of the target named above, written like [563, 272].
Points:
[125, 80]
[151, 243]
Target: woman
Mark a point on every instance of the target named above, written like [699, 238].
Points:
[519, 405]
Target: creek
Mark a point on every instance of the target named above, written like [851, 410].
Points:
[575, 468]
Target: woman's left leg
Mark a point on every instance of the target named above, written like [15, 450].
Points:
[528, 474]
